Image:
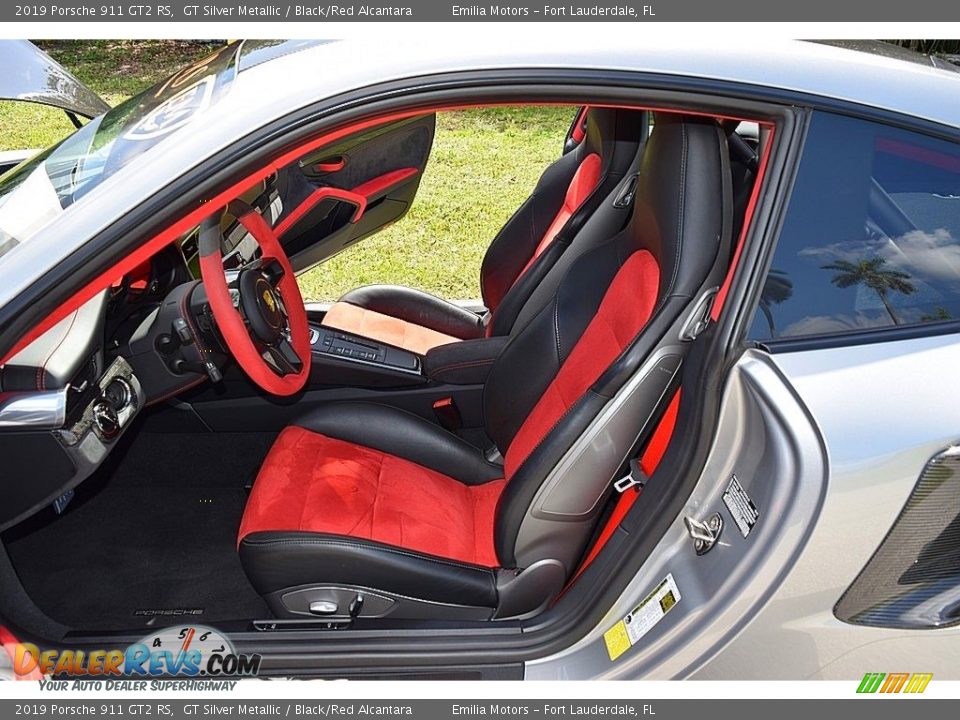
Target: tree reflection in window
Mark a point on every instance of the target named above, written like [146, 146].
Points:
[777, 289]
[873, 274]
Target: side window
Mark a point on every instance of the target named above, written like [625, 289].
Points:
[871, 238]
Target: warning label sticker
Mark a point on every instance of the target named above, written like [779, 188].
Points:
[638, 622]
[741, 507]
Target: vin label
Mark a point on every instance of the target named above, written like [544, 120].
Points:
[741, 507]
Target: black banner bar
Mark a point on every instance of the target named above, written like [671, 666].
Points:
[118, 708]
[434, 11]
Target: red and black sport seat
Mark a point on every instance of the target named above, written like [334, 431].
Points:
[363, 500]
[520, 255]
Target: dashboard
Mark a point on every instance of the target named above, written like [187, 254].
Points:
[67, 398]
[64, 404]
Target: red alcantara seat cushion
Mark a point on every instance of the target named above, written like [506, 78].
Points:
[313, 483]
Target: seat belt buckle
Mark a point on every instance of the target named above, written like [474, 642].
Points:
[634, 478]
[447, 413]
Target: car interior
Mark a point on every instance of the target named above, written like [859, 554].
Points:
[197, 442]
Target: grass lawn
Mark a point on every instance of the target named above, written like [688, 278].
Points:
[484, 164]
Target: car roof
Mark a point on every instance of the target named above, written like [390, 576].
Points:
[897, 52]
[869, 73]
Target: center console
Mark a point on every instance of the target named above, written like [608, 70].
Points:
[366, 361]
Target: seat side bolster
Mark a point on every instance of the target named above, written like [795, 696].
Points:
[403, 434]
[275, 561]
[517, 241]
[418, 307]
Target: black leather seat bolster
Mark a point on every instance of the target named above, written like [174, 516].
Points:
[275, 561]
[403, 434]
[419, 308]
[463, 363]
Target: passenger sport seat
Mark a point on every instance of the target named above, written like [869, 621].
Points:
[520, 255]
[363, 509]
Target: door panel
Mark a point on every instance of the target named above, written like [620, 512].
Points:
[768, 440]
[350, 190]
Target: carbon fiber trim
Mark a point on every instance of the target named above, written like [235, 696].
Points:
[913, 579]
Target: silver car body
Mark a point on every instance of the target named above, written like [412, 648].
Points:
[829, 443]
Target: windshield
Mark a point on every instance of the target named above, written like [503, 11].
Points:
[40, 189]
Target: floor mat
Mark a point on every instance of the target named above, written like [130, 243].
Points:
[147, 540]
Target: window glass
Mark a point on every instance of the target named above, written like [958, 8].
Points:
[47, 185]
[871, 238]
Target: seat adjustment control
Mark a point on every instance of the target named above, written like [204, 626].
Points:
[323, 607]
[356, 606]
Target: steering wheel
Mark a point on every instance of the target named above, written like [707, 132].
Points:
[265, 325]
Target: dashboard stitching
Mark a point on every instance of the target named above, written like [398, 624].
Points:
[177, 390]
[41, 379]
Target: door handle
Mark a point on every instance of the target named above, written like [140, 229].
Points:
[331, 164]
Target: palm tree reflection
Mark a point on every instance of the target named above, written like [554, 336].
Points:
[871, 273]
[777, 289]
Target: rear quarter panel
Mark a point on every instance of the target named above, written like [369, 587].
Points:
[884, 410]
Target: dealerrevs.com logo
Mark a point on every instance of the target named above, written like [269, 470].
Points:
[192, 652]
[891, 683]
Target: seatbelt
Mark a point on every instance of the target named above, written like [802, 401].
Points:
[448, 414]
[633, 482]
[645, 466]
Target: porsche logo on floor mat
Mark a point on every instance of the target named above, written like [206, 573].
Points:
[166, 612]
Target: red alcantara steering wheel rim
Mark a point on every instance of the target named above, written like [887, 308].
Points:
[230, 321]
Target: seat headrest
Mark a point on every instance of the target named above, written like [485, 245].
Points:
[614, 134]
[683, 201]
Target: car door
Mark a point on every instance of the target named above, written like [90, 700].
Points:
[334, 197]
[38, 78]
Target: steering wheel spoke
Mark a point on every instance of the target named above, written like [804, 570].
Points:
[284, 358]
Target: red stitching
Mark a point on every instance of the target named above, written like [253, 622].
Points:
[463, 364]
[187, 316]
[176, 391]
[41, 380]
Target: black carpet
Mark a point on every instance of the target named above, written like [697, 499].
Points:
[155, 531]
